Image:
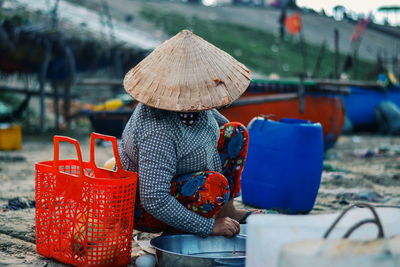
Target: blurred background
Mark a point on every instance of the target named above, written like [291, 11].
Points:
[60, 60]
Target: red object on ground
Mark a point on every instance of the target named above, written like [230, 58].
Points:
[293, 23]
[329, 111]
[84, 214]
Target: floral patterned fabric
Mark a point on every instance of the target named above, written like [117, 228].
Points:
[206, 192]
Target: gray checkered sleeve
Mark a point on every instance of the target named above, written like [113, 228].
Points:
[221, 120]
[156, 168]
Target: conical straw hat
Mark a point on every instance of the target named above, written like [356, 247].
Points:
[186, 73]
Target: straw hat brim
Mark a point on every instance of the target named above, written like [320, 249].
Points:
[187, 73]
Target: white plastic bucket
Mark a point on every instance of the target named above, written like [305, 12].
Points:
[383, 252]
[266, 234]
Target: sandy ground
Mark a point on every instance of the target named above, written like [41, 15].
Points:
[359, 168]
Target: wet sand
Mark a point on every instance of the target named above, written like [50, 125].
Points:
[359, 168]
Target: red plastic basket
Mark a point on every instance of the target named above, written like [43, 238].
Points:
[84, 214]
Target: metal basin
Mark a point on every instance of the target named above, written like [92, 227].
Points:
[243, 230]
[192, 250]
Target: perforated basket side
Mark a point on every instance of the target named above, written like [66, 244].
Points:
[81, 220]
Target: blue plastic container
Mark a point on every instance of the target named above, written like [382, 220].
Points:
[284, 165]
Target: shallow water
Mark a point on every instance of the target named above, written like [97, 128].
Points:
[86, 19]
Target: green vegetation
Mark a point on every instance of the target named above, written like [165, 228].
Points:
[259, 50]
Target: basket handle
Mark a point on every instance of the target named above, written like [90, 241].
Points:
[376, 221]
[113, 140]
[56, 140]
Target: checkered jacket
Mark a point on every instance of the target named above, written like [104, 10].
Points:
[157, 145]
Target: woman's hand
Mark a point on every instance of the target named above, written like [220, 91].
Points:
[226, 226]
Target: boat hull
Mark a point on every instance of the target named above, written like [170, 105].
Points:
[327, 110]
[361, 104]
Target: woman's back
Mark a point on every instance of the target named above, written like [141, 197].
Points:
[195, 145]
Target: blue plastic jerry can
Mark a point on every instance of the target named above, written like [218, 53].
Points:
[284, 165]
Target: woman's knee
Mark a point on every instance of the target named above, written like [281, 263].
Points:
[203, 192]
[228, 129]
[217, 179]
[190, 184]
[235, 137]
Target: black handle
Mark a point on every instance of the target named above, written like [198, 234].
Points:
[376, 221]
